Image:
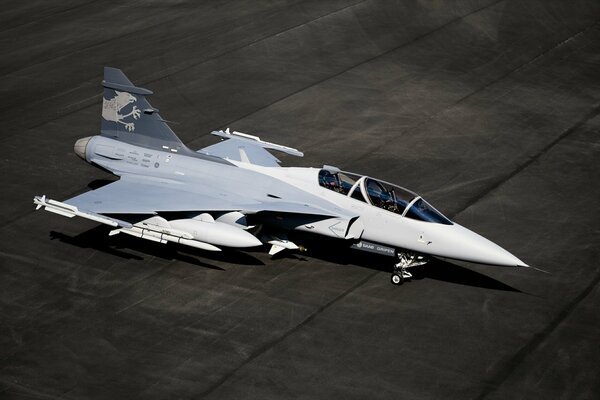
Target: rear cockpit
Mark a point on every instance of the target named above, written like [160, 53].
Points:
[380, 194]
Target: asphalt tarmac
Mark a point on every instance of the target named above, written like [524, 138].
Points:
[489, 109]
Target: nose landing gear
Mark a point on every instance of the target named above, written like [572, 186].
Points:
[406, 260]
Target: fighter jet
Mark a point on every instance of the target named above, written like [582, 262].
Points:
[235, 194]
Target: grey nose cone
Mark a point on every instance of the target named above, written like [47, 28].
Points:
[80, 147]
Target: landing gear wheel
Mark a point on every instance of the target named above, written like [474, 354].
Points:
[405, 261]
[397, 279]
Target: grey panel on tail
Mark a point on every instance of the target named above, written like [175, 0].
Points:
[128, 116]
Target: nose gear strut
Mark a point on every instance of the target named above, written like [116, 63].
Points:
[406, 260]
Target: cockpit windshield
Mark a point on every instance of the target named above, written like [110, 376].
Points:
[381, 194]
[389, 197]
[423, 211]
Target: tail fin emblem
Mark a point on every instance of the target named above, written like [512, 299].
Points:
[111, 109]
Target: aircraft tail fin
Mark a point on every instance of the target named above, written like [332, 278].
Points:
[128, 116]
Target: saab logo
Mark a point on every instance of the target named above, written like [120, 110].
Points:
[111, 109]
[374, 248]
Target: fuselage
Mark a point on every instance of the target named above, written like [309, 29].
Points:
[355, 215]
[396, 229]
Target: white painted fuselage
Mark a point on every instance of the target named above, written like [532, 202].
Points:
[394, 230]
[343, 216]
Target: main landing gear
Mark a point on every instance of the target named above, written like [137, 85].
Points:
[406, 260]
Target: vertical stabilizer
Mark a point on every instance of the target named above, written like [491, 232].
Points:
[129, 117]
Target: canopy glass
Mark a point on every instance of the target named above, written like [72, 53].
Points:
[381, 194]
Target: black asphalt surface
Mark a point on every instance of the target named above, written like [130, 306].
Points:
[489, 109]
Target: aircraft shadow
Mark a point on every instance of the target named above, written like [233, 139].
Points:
[333, 251]
[440, 270]
[448, 272]
[98, 183]
[122, 246]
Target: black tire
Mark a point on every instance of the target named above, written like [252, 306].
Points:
[397, 279]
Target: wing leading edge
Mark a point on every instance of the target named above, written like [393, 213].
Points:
[242, 147]
[140, 195]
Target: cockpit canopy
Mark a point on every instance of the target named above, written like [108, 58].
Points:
[381, 194]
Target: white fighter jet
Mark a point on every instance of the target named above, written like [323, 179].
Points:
[234, 194]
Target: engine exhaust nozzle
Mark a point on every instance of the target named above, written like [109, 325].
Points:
[80, 147]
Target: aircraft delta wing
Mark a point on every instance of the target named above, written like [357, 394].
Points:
[246, 148]
[235, 194]
[138, 194]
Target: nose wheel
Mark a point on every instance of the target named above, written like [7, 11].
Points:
[400, 275]
[406, 260]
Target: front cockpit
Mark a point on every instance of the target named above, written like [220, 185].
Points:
[380, 194]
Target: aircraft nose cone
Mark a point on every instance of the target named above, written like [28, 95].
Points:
[496, 255]
[472, 247]
[80, 147]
